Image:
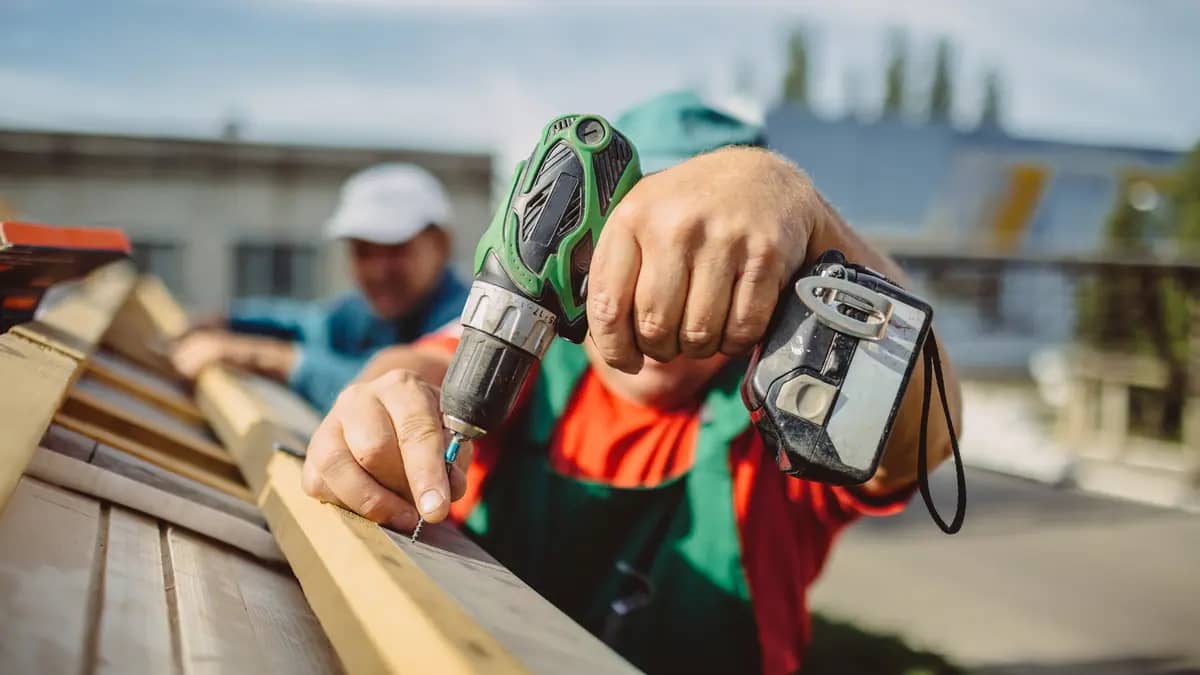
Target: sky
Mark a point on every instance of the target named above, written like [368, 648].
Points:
[477, 75]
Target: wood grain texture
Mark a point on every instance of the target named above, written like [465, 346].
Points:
[40, 360]
[145, 326]
[388, 606]
[237, 618]
[380, 611]
[99, 403]
[541, 635]
[82, 477]
[48, 542]
[142, 471]
[164, 392]
[185, 468]
[70, 443]
[133, 635]
[36, 379]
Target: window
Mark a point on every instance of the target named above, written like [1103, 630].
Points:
[279, 270]
[163, 260]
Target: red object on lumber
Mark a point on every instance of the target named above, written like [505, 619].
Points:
[32, 257]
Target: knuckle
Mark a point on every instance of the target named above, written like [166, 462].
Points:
[603, 308]
[374, 456]
[375, 506]
[683, 232]
[762, 265]
[348, 395]
[739, 338]
[397, 377]
[698, 339]
[418, 429]
[653, 329]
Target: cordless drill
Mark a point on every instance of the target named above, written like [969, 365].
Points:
[823, 386]
[531, 268]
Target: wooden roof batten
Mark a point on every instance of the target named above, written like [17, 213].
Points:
[384, 603]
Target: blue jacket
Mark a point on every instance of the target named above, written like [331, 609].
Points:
[337, 338]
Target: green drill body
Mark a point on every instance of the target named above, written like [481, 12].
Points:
[531, 266]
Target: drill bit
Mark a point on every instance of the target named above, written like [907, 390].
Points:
[451, 455]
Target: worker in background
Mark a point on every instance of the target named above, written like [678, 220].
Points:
[631, 468]
[393, 219]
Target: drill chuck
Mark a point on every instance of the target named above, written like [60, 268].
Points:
[504, 333]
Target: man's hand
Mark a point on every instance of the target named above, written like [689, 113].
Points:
[201, 348]
[693, 259]
[379, 453]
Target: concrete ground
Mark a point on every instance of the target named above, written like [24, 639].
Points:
[1041, 580]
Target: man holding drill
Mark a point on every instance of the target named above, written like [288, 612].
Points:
[629, 486]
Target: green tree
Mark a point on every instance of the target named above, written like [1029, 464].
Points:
[893, 92]
[1154, 312]
[941, 92]
[1185, 197]
[795, 80]
[993, 101]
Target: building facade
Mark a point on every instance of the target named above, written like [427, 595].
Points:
[219, 219]
[929, 191]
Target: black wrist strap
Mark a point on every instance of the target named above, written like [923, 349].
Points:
[933, 368]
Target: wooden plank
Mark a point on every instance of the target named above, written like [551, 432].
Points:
[146, 325]
[48, 544]
[134, 634]
[36, 380]
[142, 471]
[185, 468]
[236, 617]
[73, 474]
[70, 443]
[387, 606]
[214, 629]
[39, 361]
[284, 624]
[122, 413]
[537, 632]
[152, 387]
[380, 611]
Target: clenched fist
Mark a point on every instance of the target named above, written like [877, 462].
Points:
[693, 259]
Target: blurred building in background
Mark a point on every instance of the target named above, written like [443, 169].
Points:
[218, 219]
[931, 191]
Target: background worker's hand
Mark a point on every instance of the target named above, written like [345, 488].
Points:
[379, 453]
[200, 348]
[692, 260]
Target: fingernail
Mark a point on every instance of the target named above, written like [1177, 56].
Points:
[431, 501]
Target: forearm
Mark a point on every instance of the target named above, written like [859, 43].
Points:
[267, 356]
[898, 468]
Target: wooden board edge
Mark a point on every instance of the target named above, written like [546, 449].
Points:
[78, 476]
[146, 325]
[158, 458]
[78, 321]
[91, 408]
[180, 406]
[380, 610]
[40, 361]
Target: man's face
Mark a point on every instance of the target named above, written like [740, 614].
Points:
[677, 384]
[396, 277]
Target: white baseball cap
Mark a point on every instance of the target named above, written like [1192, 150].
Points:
[388, 204]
